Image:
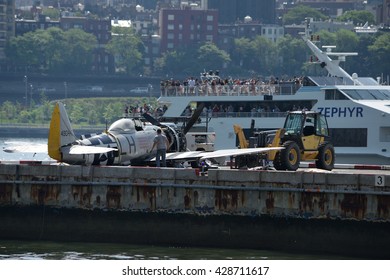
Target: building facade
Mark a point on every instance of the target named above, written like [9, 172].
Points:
[383, 13]
[247, 29]
[230, 11]
[181, 28]
[7, 24]
[28, 25]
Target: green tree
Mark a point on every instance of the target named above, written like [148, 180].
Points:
[51, 12]
[126, 47]
[291, 54]
[22, 51]
[210, 57]
[173, 62]
[92, 117]
[380, 55]
[357, 17]
[80, 46]
[46, 47]
[55, 50]
[243, 54]
[348, 41]
[24, 117]
[80, 111]
[46, 108]
[298, 14]
[77, 113]
[112, 112]
[8, 110]
[364, 56]
[327, 38]
[265, 55]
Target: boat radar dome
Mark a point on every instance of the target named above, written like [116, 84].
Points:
[247, 19]
[139, 8]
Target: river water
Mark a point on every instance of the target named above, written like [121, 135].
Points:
[26, 142]
[48, 250]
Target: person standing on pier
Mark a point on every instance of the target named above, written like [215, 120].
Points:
[162, 143]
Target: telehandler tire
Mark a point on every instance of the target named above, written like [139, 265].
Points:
[289, 158]
[326, 156]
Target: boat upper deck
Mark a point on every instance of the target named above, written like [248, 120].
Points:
[258, 87]
[229, 87]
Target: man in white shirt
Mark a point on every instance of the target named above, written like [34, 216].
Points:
[191, 85]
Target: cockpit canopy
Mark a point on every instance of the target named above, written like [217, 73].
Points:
[125, 126]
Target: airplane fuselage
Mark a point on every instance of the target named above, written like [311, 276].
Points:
[130, 147]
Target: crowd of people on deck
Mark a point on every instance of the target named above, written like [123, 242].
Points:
[211, 84]
[214, 85]
[249, 109]
[137, 110]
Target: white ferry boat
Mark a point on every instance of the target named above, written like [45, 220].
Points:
[357, 109]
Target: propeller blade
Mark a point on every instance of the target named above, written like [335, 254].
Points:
[194, 118]
[152, 120]
[252, 129]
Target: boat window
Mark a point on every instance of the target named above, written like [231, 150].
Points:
[368, 94]
[329, 94]
[384, 134]
[321, 126]
[293, 123]
[348, 137]
[353, 94]
[385, 93]
[334, 94]
[262, 108]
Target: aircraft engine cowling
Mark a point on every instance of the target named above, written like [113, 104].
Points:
[176, 139]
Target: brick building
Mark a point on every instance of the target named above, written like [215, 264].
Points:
[180, 28]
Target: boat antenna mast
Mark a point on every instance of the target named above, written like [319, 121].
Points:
[323, 57]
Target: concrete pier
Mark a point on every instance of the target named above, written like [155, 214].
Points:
[306, 211]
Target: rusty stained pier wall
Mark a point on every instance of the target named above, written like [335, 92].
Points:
[306, 211]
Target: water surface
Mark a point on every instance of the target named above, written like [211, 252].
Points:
[48, 250]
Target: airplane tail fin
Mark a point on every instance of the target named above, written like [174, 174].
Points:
[60, 132]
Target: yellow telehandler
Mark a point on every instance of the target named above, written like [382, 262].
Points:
[304, 136]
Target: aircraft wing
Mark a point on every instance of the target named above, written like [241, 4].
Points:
[237, 152]
[216, 154]
[81, 150]
[184, 155]
[24, 147]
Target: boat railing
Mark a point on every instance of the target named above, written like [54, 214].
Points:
[263, 114]
[230, 90]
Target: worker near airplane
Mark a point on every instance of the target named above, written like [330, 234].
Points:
[161, 142]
